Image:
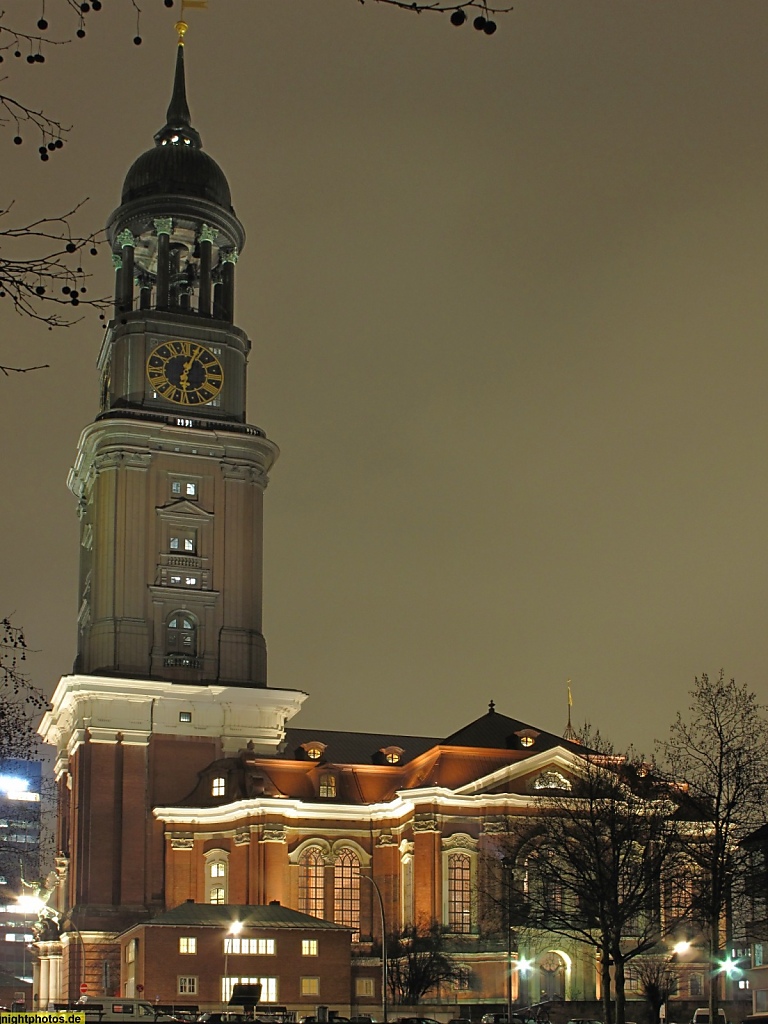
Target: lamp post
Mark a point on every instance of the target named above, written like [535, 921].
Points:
[383, 947]
[507, 865]
[234, 929]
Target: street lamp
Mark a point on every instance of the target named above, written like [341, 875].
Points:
[383, 947]
[234, 929]
[507, 866]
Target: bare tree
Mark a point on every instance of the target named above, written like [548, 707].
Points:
[658, 981]
[417, 962]
[588, 865]
[721, 752]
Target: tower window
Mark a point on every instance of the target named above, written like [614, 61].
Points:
[183, 540]
[185, 716]
[312, 882]
[181, 642]
[217, 786]
[184, 488]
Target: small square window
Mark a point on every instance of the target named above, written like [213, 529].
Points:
[217, 895]
[175, 580]
[185, 716]
[190, 581]
[187, 944]
[309, 947]
[187, 986]
[365, 987]
[217, 786]
[218, 869]
[310, 986]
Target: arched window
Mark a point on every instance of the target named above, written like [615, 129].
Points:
[459, 892]
[181, 640]
[216, 876]
[312, 882]
[346, 892]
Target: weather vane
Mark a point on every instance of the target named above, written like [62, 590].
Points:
[181, 25]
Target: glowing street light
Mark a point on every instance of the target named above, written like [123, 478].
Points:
[681, 947]
[234, 929]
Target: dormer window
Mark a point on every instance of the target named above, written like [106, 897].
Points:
[327, 786]
[218, 786]
[391, 755]
[527, 737]
[313, 749]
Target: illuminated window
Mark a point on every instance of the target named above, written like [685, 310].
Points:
[393, 757]
[216, 876]
[526, 741]
[217, 786]
[268, 988]
[312, 882]
[315, 753]
[459, 893]
[327, 785]
[130, 951]
[365, 987]
[184, 488]
[190, 581]
[183, 540]
[254, 947]
[187, 944]
[309, 947]
[185, 716]
[346, 892]
[187, 985]
[310, 986]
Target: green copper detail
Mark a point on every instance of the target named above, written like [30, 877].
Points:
[126, 238]
[207, 233]
[230, 256]
[164, 225]
[117, 261]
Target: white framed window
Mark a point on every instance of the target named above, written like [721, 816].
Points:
[216, 876]
[130, 951]
[268, 987]
[187, 985]
[187, 944]
[252, 947]
[310, 986]
[365, 987]
[217, 786]
[185, 716]
[309, 947]
[181, 488]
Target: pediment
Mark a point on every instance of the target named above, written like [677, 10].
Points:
[183, 507]
[549, 773]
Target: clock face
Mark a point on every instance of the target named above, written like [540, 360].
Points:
[185, 372]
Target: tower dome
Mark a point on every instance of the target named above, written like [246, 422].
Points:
[177, 164]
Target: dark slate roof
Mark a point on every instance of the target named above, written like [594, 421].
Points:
[177, 164]
[356, 747]
[271, 915]
[492, 731]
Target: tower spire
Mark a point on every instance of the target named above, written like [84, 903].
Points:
[178, 128]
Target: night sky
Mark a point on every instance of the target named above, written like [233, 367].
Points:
[507, 297]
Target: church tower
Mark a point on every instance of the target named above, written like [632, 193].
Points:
[171, 668]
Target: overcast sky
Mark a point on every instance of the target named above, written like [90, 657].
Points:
[507, 297]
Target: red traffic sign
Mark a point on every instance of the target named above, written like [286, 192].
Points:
[83, 988]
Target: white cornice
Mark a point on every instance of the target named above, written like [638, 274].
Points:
[403, 805]
[101, 707]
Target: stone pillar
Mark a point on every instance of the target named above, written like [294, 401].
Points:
[125, 298]
[229, 260]
[163, 226]
[206, 238]
[117, 263]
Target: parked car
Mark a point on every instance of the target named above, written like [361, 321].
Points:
[701, 1015]
[417, 1020]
